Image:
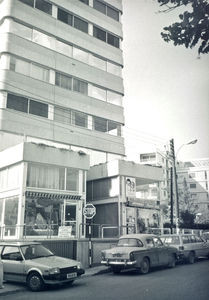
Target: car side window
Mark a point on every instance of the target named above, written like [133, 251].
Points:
[185, 240]
[158, 242]
[193, 239]
[11, 253]
[150, 243]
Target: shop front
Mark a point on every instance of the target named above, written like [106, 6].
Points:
[47, 197]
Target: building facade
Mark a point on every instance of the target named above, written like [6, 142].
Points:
[157, 192]
[193, 188]
[61, 89]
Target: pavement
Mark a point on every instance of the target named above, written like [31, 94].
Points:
[12, 288]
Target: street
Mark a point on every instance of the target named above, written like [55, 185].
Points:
[183, 282]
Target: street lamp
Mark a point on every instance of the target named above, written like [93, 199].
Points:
[174, 158]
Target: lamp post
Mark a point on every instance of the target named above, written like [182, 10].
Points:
[174, 159]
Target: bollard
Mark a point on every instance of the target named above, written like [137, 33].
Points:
[1, 275]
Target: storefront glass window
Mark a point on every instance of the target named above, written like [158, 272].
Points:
[72, 180]
[10, 216]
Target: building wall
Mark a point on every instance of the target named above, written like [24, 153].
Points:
[26, 49]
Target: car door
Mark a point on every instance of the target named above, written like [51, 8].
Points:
[13, 264]
[203, 247]
[162, 251]
[152, 252]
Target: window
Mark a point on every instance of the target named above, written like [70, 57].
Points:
[17, 103]
[130, 242]
[85, 1]
[43, 39]
[99, 6]
[150, 243]
[10, 215]
[113, 40]
[98, 93]
[114, 128]
[80, 24]
[64, 48]
[28, 2]
[21, 30]
[112, 13]
[44, 6]
[114, 98]
[38, 108]
[100, 124]
[62, 115]
[72, 179]
[98, 62]
[79, 119]
[158, 242]
[80, 86]
[185, 239]
[11, 253]
[114, 69]
[39, 73]
[63, 81]
[19, 66]
[80, 55]
[106, 10]
[192, 185]
[65, 17]
[99, 34]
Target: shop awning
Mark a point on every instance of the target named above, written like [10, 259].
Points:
[53, 196]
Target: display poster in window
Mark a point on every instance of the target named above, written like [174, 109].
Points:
[65, 231]
[130, 187]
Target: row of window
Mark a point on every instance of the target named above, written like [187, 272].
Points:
[75, 21]
[104, 8]
[62, 115]
[60, 46]
[64, 81]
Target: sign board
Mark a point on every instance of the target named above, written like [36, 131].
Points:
[131, 187]
[65, 231]
[89, 211]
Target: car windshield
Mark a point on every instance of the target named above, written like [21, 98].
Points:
[173, 240]
[130, 243]
[35, 251]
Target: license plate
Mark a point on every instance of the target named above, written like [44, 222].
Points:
[71, 275]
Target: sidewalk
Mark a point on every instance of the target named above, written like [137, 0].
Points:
[12, 288]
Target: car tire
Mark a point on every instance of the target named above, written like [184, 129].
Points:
[116, 270]
[35, 282]
[144, 266]
[191, 258]
[172, 262]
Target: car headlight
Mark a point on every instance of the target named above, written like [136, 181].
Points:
[79, 265]
[132, 256]
[54, 271]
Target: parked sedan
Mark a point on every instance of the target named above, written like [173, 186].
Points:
[189, 246]
[139, 251]
[32, 263]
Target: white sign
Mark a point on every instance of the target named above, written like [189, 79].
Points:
[65, 231]
[89, 211]
[131, 187]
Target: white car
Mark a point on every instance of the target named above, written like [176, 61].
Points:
[32, 263]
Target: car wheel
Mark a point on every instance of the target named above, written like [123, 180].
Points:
[172, 262]
[191, 258]
[144, 266]
[35, 282]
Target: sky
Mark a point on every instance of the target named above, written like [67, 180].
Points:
[166, 86]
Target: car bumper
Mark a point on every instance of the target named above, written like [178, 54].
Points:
[62, 278]
[118, 263]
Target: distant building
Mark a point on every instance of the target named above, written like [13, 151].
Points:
[157, 192]
[193, 185]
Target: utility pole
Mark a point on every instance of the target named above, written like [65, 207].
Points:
[172, 152]
[171, 198]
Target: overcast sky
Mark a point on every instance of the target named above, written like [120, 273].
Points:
[166, 87]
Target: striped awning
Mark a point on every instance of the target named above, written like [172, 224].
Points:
[52, 196]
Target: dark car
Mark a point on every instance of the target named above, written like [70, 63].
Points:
[32, 263]
[139, 251]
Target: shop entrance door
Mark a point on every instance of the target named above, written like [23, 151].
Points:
[69, 216]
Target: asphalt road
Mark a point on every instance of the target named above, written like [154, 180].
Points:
[185, 282]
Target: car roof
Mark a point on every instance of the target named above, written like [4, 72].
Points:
[138, 236]
[19, 243]
[176, 234]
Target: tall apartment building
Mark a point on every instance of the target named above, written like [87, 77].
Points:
[61, 89]
[193, 187]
